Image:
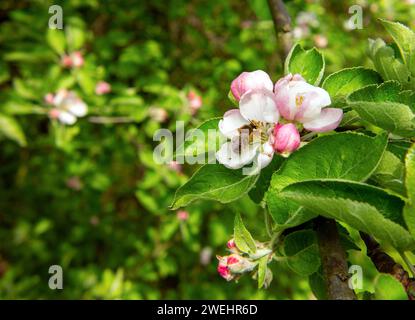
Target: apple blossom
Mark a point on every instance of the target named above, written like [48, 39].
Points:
[300, 101]
[250, 81]
[67, 107]
[286, 138]
[74, 183]
[48, 98]
[205, 256]
[77, 59]
[66, 61]
[182, 215]
[102, 87]
[321, 41]
[195, 101]
[249, 130]
[158, 114]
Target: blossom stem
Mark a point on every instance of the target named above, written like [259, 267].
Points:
[267, 223]
[109, 120]
[308, 136]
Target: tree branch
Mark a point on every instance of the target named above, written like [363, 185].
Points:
[384, 263]
[333, 259]
[282, 25]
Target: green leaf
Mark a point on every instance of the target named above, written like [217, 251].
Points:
[232, 99]
[206, 138]
[10, 128]
[389, 288]
[388, 65]
[302, 252]
[409, 210]
[56, 39]
[262, 271]
[258, 191]
[214, 182]
[242, 237]
[399, 148]
[390, 173]
[86, 82]
[344, 82]
[309, 64]
[318, 285]
[387, 107]
[75, 36]
[337, 156]
[405, 40]
[363, 207]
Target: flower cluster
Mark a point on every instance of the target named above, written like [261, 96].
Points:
[73, 60]
[269, 118]
[232, 266]
[67, 106]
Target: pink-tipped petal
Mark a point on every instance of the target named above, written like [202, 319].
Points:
[328, 120]
[231, 122]
[259, 105]
[247, 81]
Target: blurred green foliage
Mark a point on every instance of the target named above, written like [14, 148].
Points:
[89, 197]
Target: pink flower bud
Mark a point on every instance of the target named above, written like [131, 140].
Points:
[233, 265]
[48, 98]
[321, 41]
[158, 114]
[223, 269]
[54, 113]
[247, 81]
[175, 166]
[231, 244]
[182, 215]
[74, 183]
[77, 59]
[286, 138]
[195, 101]
[66, 61]
[102, 87]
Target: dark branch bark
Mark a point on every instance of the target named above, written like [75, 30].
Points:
[384, 263]
[333, 260]
[282, 25]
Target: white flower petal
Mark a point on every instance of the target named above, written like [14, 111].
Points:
[66, 117]
[329, 119]
[265, 156]
[59, 97]
[231, 159]
[259, 105]
[78, 108]
[231, 122]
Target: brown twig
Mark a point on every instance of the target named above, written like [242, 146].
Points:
[110, 120]
[282, 25]
[384, 263]
[333, 260]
